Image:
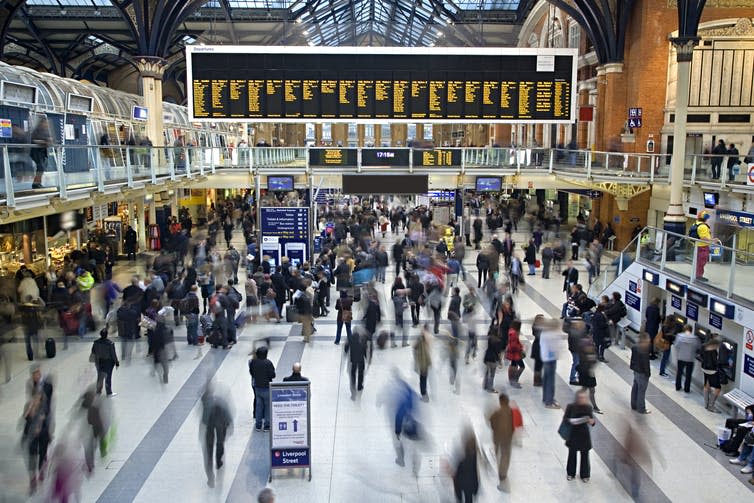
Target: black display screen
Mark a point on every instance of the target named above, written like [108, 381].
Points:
[488, 183]
[394, 157]
[284, 183]
[333, 157]
[437, 157]
[385, 184]
[479, 86]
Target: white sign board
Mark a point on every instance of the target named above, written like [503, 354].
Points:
[746, 375]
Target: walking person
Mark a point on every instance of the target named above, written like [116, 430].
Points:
[399, 306]
[547, 255]
[36, 435]
[530, 257]
[483, 268]
[548, 346]
[492, 355]
[570, 277]
[587, 377]
[470, 302]
[416, 298]
[536, 352]
[717, 159]
[105, 359]
[640, 366]
[501, 423]
[578, 417]
[217, 423]
[686, 346]
[434, 299]
[423, 360]
[344, 307]
[514, 353]
[32, 323]
[600, 332]
[262, 373]
[466, 473]
[356, 349]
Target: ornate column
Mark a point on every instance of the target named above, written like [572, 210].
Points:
[141, 225]
[152, 70]
[675, 219]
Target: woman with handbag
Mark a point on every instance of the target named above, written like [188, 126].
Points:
[577, 419]
[664, 342]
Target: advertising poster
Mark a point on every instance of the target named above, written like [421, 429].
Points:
[747, 370]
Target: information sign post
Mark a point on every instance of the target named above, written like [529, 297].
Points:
[290, 428]
[285, 233]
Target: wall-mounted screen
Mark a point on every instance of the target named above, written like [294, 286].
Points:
[488, 183]
[280, 183]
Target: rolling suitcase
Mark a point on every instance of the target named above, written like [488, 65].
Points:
[241, 319]
[50, 347]
[291, 314]
[382, 339]
[69, 321]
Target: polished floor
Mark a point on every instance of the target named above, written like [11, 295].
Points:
[157, 454]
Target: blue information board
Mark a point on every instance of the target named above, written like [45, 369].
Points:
[692, 311]
[633, 301]
[716, 321]
[285, 233]
[676, 302]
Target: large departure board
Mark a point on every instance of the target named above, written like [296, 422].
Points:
[333, 157]
[366, 84]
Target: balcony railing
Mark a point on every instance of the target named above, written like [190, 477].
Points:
[712, 265]
[78, 167]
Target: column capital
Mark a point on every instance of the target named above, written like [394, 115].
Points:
[684, 47]
[610, 68]
[151, 66]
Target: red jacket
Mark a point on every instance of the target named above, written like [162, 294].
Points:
[514, 349]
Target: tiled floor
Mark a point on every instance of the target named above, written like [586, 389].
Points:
[157, 455]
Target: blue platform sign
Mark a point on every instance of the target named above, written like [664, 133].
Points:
[632, 286]
[692, 311]
[634, 113]
[285, 233]
[748, 365]
[633, 301]
[634, 123]
[716, 321]
[290, 432]
[676, 302]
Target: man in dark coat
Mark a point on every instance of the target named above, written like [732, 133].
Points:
[105, 360]
[652, 324]
[217, 423]
[356, 348]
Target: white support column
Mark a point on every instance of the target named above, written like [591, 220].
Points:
[675, 219]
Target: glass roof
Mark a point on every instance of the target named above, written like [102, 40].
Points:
[381, 22]
[486, 4]
[71, 3]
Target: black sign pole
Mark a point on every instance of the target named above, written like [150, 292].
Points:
[258, 204]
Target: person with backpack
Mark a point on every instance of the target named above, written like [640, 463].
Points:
[701, 231]
[712, 372]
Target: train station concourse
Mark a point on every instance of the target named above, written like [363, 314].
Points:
[376, 250]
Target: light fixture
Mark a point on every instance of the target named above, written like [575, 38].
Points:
[306, 32]
[311, 44]
[63, 12]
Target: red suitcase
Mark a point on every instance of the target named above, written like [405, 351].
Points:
[69, 321]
